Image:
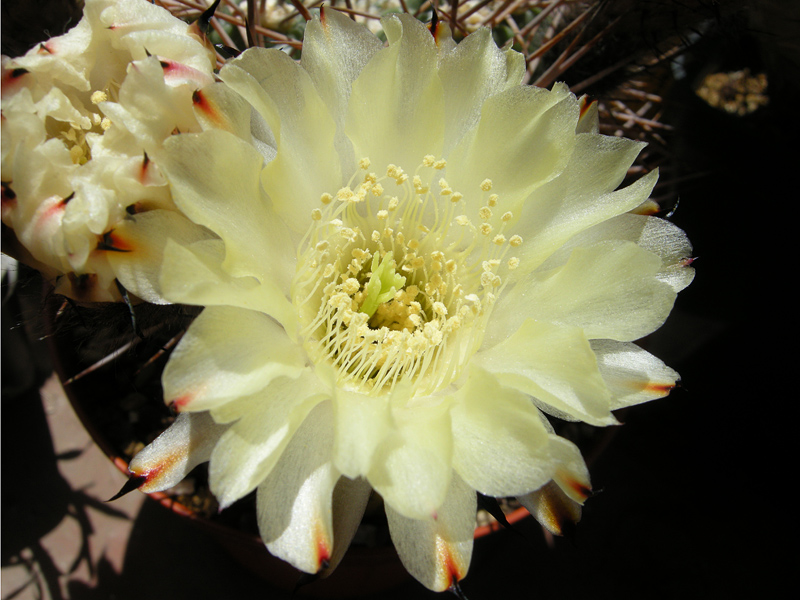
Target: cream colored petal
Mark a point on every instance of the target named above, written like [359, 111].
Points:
[335, 50]
[285, 96]
[295, 515]
[610, 290]
[350, 497]
[265, 423]
[656, 235]
[172, 455]
[193, 275]
[137, 249]
[437, 550]
[524, 139]
[227, 353]
[396, 111]
[570, 472]
[475, 70]
[632, 375]
[500, 446]
[411, 467]
[362, 422]
[581, 197]
[215, 180]
[218, 107]
[554, 364]
[554, 510]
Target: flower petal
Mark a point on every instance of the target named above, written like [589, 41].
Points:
[475, 70]
[500, 445]
[335, 50]
[437, 550]
[285, 96]
[581, 197]
[633, 375]
[193, 275]
[554, 364]
[138, 244]
[227, 353]
[524, 139]
[294, 500]
[265, 423]
[554, 510]
[222, 191]
[411, 467]
[396, 111]
[362, 422]
[609, 289]
[169, 458]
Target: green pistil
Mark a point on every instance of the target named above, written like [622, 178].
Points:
[383, 284]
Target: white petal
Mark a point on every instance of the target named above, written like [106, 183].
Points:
[610, 290]
[396, 107]
[554, 510]
[169, 458]
[632, 375]
[227, 353]
[141, 240]
[475, 70]
[335, 50]
[500, 446]
[523, 140]
[362, 423]
[294, 501]
[437, 550]
[215, 181]
[265, 423]
[306, 165]
[556, 365]
[193, 274]
[581, 197]
[411, 467]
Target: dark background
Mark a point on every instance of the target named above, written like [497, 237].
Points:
[695, 497]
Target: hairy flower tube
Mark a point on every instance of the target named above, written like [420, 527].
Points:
[430, 259]
[83, 116]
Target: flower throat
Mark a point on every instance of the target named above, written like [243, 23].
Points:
[395, 283]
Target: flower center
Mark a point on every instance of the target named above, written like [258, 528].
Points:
[395, 283]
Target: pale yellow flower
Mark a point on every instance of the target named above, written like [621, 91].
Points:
[435, 257]
[83, 116]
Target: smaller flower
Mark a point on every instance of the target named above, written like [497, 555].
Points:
[84, 114]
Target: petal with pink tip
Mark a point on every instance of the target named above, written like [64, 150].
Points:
[437, 550]
[169, 458]
[227, 353]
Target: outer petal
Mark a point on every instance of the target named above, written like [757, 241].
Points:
[265, 423]
[221, 190]
[632, 375]
[294, 501]
[307, 513]
[137, 249]
[554, 510]
[524, 139]
[169, 458]
[500, 445]
[362, 422]
[193, 274]
[227, 353]
[475, 70]
[335, 50]
[609, 289]
[437, 550]
[396, 112]
[285, 96]
[556, 365]
[412, 466]
[581, 197]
